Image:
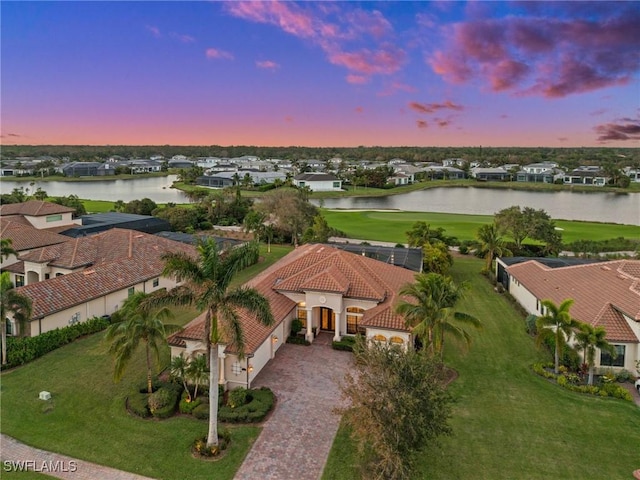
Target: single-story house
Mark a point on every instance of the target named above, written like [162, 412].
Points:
[490, 173]
[586, 175]
[92, 276]
[331, 291]
[439, 173]
[318, 182]
[605, 294]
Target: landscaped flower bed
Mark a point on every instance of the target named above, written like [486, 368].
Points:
[242, 406]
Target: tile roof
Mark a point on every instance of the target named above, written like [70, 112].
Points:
[327, 269]
[601, 291]
[141, 261]
[26, 237]
[33, 208]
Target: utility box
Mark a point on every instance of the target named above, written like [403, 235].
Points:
[45, 395]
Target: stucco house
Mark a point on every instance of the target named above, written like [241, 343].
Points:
[331, 291]
[91, 276]
[318, 182]
[586, 175]
[605, 294]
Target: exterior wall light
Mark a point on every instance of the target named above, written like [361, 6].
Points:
[250, 368]
[275, 339]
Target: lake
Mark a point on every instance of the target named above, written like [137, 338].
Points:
[567, 205]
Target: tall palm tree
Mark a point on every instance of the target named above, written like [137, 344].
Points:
[140, 323]
[589, 338]
[430, 312]
[11, 301]
[557, 321]
[6, 249]
[491, 243]
[197, 372]
[207, 286]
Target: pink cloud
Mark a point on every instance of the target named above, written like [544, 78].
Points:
[422, 124]
[563, 139]
[288, 119]
[357, 79]
[396, 87]
[267, 65]
[182, 37]
[155, 31]
[384, 61]
[214, 54]
[623, 129]
[288, 16]
[428, 108]
[372, 23]
[550, 57]
[359, 110]
[442, 122]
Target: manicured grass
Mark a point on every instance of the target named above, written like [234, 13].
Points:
[268, 259]
[391, 226]
[508, 422]
[24, 475]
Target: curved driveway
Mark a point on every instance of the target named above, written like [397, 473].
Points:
[296, 439]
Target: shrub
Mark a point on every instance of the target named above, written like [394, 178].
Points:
[201, 412]
[624, 376]
[296, 326]
[138, 404]
[255, 410]
[21, 350]
[297, 340]
[199, 446]
[188, 407]
[346, 344]
[530, 324]
[162, 403]
[238, 397]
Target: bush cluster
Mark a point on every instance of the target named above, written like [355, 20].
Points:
[297, 340]
[346, 344]
[259, 404]
[199, 446]
[163, 402]
[568, 381]
[21, 350]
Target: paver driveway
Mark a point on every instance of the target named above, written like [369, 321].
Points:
[297, 437]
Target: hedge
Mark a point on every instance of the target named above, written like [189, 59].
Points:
[346, 344]
[260, 404]
[297, 340]
[21, 350]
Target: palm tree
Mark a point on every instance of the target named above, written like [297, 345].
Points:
[197, 372]
[207, 286]
[589, 338]
[178, 369]
[6, 249]
[491, 243]
[557, 320]
[14, 302]
[430, 311]
[140, 323]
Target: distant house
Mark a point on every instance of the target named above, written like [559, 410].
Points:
[92, 276]
[453, 162]
[99, 222]
[399, 178]
[632, 173]
[144, 166]
[490, 174]
[180, 161]
[439, 173]
[332, 292]
[318, 182]
[587, 175]
[227, 179]
[605, 295]
[81, 169]
[545, 172]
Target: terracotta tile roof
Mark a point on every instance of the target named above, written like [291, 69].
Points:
[26, 237]
[617, 328]
[17, 267]
[324, 267]
[592, 287]
[33, 208]
[109, 246]
[105, 276]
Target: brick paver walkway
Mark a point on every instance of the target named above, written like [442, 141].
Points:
[56, 465]
[296, 439]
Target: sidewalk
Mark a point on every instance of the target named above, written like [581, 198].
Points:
[23, 457]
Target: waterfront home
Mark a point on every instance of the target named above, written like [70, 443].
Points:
[544, 172]
[332, 292]
[490, 173]
[318, 182]
[586, 175]
[605, 294]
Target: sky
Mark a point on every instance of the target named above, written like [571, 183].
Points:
[321, 74]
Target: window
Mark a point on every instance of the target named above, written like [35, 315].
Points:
[607, 361]
[302, 313]
[380, 338]
[354, 316]
[396, 341]
[54, 218]
[131, 291]
[336, 184]
[75, 318]
[47, 276]
[59, 274]
[9, 327]
[156, 282]
[19, 280]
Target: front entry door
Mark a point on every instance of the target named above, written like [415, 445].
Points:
[327, 319]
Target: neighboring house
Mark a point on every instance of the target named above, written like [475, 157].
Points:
[453, 162]
[399, 178]
[328, 290]
[605, 294]
[545, 172]
[227, 179]
[92, 276]
[99, 222]
[439, 173]
[586, 175]
[632, 173]
[81, 169]
[39, 214]
[179, 161]
[318, 182]
[144, 166]
[490, 173]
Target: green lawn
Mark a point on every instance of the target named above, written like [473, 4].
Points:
[391, 226]
[509, 423]
[86, 418]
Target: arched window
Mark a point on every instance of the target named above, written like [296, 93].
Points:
[380, 338]
[396, 341]
[302, 313]
[354, 317]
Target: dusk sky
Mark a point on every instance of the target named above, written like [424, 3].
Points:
[321, 73]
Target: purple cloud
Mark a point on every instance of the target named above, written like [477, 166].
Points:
[623, 129]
